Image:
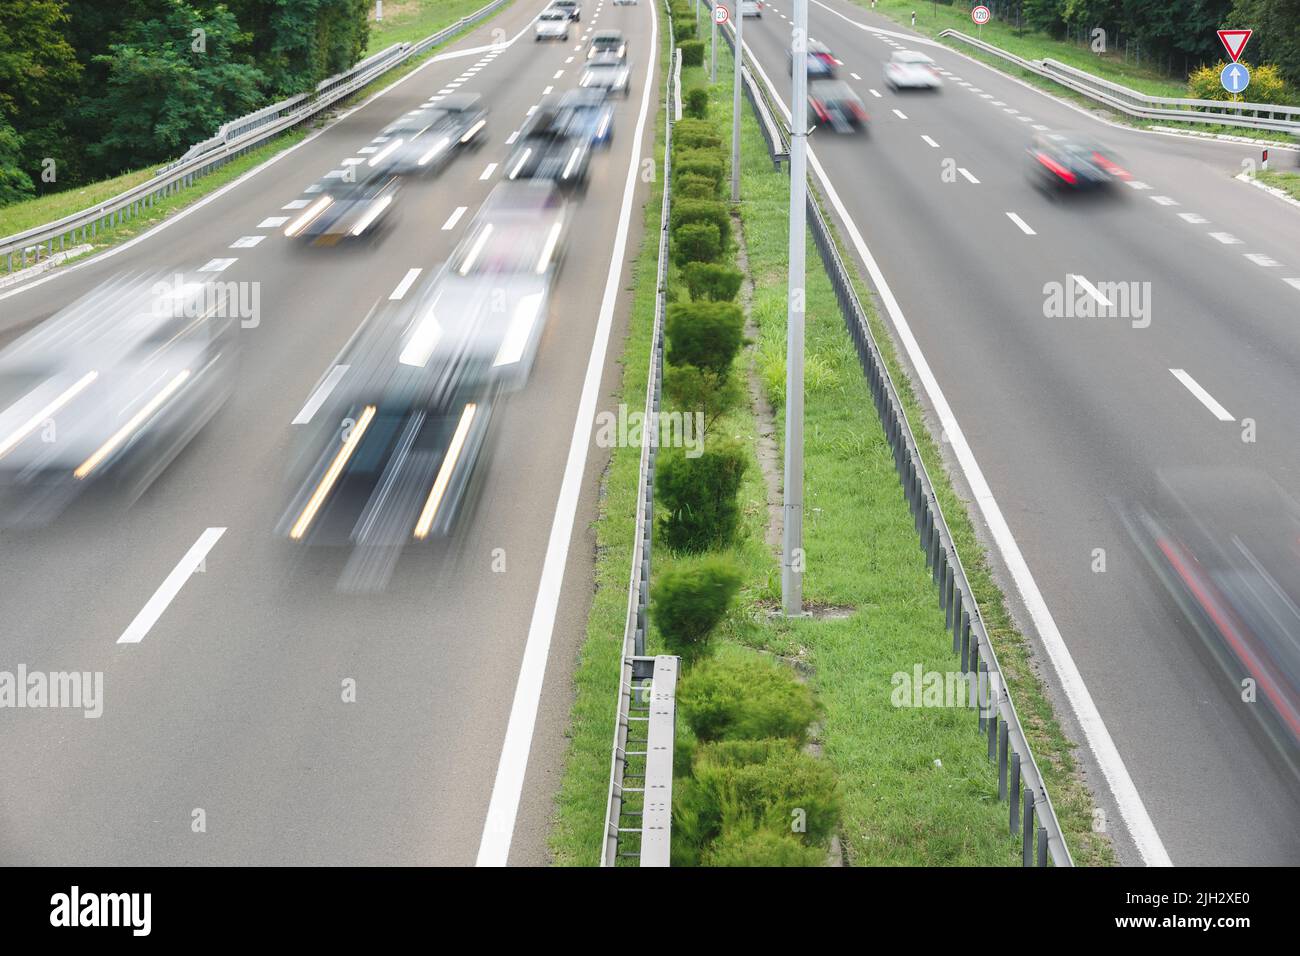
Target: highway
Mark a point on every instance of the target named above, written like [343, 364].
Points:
[232, 701]
[1066, 421]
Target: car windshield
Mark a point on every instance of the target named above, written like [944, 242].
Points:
[831, 90]
[915, 59]
[553, 15]
[497, 248]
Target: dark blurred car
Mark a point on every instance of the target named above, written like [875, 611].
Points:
[570, 8]
[607, 71]
[589, 113]
[551, 147]
[607, 42]
[833, 103]
[426, 139]
[340, 209]
[1068, 161]
[821, 62]
[1226, 544]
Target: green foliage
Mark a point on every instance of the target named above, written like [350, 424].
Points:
[696, 241]
[713, 281]
[692, 53]
[1266, 85]
[740, 846]
[697, 103]
[705, 334]
[703, 162]
[15, 184]
[1277, 33]
[683, 31]
[695, 186]
[745, 698]
[697, 497]
[690, 599]
[703, 210]
[692, 390]
[694, 133]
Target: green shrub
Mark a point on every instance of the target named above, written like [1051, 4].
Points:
[695, 186]
[1267, 85]
[693, 133]
[703, 210]
[696, 242]
[745, 699]
[703, 161]
[692, 390]
[704, 334]
[712, 281]
[692, 53]
[740, 846]
[683, 31]
[698, 496]
[689, 599]
[697, 103]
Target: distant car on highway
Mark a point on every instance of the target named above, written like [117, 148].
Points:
[610, 42]
[571, 8]
[751, 8]
[551, 24]
[340, 207]
[620, 3]
[550, 146]
[589, 113]
[833, 103]
[607, 72]
[821, 61]
[1071, 162]
[910, 69]
[426, 139]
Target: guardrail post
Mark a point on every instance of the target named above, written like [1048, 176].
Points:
[1027, 833]
[1015, 792]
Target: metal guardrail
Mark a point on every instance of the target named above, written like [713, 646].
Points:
[640, 695]
[775, 133]
[1019, 780]
[233, 139]
[1263, 116]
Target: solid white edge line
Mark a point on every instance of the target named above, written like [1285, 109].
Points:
[1204, 397]
[1127, 799]
[498, 827]
[454, 218]
[171, 586]
[322, 392]
[1024, 226]
[407, 280]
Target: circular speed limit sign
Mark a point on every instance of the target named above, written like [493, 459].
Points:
[720, 15]
[980, 15]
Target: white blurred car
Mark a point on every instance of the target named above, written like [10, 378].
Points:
[552, 24]
[751, 8]
[625, 3]
[909, 69]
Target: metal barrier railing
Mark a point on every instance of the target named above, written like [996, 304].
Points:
[649, 797]
[233, 140]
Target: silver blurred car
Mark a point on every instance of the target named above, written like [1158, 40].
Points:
[345, 208]
[909, 69]
[426, 139]
[607, 71]
[552, 24]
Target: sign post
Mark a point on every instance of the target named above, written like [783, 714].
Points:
[735, 104]
[1234, 41]
[981, 15]
[720, 16]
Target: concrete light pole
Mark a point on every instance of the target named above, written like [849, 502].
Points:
[735, 102]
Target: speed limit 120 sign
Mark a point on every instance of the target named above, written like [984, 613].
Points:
[980, 15]
[720, 15]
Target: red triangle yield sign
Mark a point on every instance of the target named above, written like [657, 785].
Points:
[1234, 41]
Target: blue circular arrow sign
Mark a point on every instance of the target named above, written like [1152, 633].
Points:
[1235, 78]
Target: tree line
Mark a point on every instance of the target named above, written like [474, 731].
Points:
[90, 89]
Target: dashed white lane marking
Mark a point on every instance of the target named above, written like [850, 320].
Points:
[313, 189]
[900, 114]
[1196, 219]
[558, 74]
[1024, 226]
[322, 392]
[531, 110]
[578, 47]
[367, 150]
[1012, 110]
[454, 218]
[932, 143]
[1025, 119]
[998, 103]
[1137, 184]
[296, 204]
[548, 91]
[1041, 128]
[986, 96]
[246, 242]
[273, 222]
[1293, 283]
[1268, 262]
[569, 60]
[170, 587]
[975, 89]
[1205, 398]
[1091, 289]
[875, 93]
[444, 91]
[967, 173]
[1227, 238]
[487, 173]
[1165, 200]
[217, 265]
[381, 139]
[339, 173]
[512, 137]
[407, 280]
[353, 161]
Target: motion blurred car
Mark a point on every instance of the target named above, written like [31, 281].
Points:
[111, 389]
[751, 8]
[426, 139]
[551, 24]
[588, 113]
[821, 62]
[1068, 161]
[620, 3]
[910, 69]
[606, 71]
[833, 103]
[343, 209]
[610, 42]
[571, 9]
[551, 147]
[1225, 542]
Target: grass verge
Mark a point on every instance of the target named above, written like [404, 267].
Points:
[406, 21]
[1287, 182]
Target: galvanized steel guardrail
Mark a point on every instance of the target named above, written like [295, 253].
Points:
[233, 139]
[640, 776]
[1262, 116]
[1030, 810]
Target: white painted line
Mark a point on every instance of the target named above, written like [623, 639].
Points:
[1164, 200]
[296, 204]
[547, 91]
[487, 173]
[407, 281]
[1268, 262]
[1293, 283]
[1041, 128]
[874, 92]
[512, 137]
[997, 103]
[1196, 219]
[855, 76]
[986, 96]
[1227, 238]
[1205, 398]
[568, 59]
[171, 586]
[246, 242]
[454, 218]
[1025, 119]
[313, 189]
[558, 74]
[967, 173]
[322, 392]
[932, 143]
[531, 110]
[1137, 184]
[353, 161]
[367, 150]
[1011, 109]
[381, 139]
[974, 89]
[1024, 226]
[900, 114]
[217, 265]
[444, 91]
[498, 827]
[339, 173]
[1091, 289]
[273, 222]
